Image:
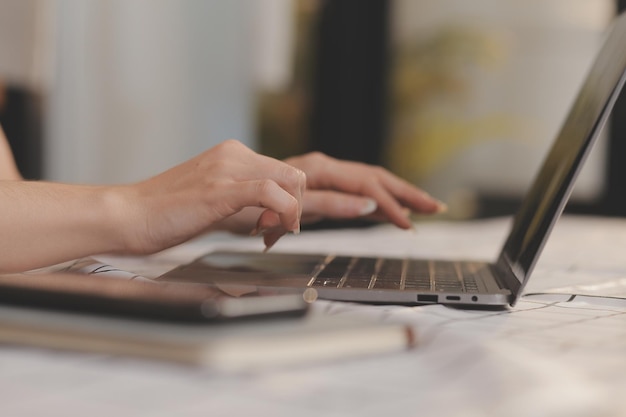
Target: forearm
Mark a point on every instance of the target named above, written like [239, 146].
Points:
[228, 186]
[46, 223]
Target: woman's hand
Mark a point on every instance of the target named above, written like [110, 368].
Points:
[44, 223]
[342, 190]
[191, 198]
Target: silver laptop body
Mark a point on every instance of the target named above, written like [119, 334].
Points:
[420, 281]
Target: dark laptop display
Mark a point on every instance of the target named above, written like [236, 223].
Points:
[548, 195]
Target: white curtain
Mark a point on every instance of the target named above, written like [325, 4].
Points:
[141, 85]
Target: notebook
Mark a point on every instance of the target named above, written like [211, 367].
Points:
[463, 282]
[232, 328]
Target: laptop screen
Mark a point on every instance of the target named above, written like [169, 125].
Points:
[547, 196]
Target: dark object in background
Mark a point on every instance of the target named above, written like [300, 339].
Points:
[350, 85]
[21, 120]
[349, 109]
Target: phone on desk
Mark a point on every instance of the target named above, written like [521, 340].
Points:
[173, 302]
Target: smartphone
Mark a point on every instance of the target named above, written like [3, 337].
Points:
[178, 302]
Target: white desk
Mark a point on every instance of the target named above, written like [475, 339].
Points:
[546, 357]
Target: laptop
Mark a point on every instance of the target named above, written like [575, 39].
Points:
[460, 282]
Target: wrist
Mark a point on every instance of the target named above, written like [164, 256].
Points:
[119, 222]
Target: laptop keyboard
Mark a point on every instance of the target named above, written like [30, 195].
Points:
[398, 274]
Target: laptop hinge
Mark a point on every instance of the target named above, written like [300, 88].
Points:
[506, 278]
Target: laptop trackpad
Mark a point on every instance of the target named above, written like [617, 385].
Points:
[289, 270]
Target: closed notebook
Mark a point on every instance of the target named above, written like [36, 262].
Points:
[245, 346]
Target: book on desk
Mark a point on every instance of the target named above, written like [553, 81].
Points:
[127, 318]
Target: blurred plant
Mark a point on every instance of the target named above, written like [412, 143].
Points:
[432, 82]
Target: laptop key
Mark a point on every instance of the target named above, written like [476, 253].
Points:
[361, 273]
[417, 275]
[332, 274]
[389, 276]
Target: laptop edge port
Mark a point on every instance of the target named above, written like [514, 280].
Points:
[427, 298]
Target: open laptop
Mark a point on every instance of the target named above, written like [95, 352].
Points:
[418, 281]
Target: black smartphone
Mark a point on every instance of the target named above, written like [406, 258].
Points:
[178, 302]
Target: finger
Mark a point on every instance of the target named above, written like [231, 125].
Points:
[270, 238]
[411, 196]
[390, 192]
[395, 196]
[257, 166]
[323, 204]
[336, 205]
[400, 190]
[240, 163]
[262, 193]
[388, 206]
[270, 227]
[266, 221]
[293, 180]
[242, 222]
[379, 217]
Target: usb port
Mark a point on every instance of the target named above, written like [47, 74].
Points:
[427, 298]
[453, 297]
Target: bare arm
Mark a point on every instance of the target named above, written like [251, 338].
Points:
[228, 187]
[46, 223]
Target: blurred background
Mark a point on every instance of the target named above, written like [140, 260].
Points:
[461, 98]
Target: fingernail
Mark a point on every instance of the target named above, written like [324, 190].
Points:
[296, 231]
[369, 207]
[270, 239]
[269, 244]
[441, 207]
[257, 231]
